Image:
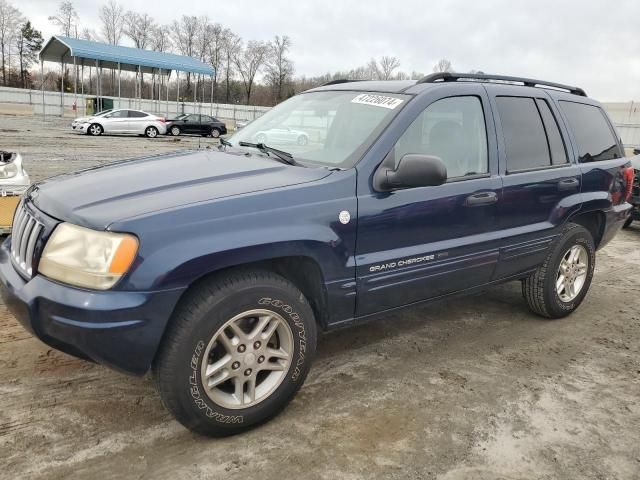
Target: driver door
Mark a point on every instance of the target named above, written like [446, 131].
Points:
[116, 122]
[419, 243]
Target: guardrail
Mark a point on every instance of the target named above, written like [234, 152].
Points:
[57, 105]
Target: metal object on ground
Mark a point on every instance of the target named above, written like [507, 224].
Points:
[14, 181]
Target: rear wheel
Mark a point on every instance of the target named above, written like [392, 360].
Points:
[95, 129]
[627, 222]
[151, 132]
[236, 352]
[560, 284]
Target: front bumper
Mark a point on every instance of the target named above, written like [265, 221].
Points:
[119, 329]
[79, 127]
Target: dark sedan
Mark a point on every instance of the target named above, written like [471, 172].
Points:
[196, 124]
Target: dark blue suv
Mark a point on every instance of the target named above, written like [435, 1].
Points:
[216, 269]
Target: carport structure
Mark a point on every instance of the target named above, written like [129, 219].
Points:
[77, 52]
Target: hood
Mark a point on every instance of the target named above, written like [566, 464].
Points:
[97, 197]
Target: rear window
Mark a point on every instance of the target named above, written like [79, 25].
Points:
[592, 132]
[524, 135]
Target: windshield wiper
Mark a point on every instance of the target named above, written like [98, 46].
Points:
[225, 142]
[284, 157]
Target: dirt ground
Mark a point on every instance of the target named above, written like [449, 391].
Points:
[472, 388]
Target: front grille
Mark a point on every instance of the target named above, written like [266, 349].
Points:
[24, 236]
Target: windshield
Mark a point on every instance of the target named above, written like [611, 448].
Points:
[104, 112]
[331, 128]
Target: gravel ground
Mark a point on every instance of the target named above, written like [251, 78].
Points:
[471, 388]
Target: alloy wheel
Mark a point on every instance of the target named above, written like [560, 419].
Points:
[572, 273]
[247, 359]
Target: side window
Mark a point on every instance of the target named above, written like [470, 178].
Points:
[524, 136]
[592, 132]
[193, 118]
[117, 114]
[556, 144]
[136, 114]
[454, 130]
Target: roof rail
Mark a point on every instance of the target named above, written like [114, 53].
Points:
[339, 81]
[527, 82]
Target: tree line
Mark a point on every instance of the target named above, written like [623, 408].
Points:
[252, 71]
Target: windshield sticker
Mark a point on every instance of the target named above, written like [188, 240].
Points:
[377, 100]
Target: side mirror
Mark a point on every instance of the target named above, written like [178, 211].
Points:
[413, 170]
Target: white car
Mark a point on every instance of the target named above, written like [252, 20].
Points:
[122, 121]
[75, 125]
[281, 135]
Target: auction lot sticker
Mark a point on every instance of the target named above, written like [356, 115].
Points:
[377, 100]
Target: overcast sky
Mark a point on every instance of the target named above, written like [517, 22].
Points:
[590, 43]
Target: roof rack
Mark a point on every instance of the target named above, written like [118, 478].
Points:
[339, 81]
[527, 82]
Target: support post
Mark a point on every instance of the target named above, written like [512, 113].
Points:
[97, 87]
[139, 88]
[195, 91]
[178, 91]
[212, 95]
[167, 80]
[62, 88]
[119, 84]
[44, 108]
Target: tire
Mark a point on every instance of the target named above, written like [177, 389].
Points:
[540, 290]
[189, 342]
[151, 132]
[175, 131]
[261, 138]
[627, 222]
[95, 129]
[215, 133]
[302, 140]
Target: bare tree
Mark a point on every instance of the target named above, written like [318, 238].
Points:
[10, 19]
[443, 65]
[249, 61]
[387, 66]
[215, 53]
[279, 67]
[139, 27]
[66, 19]
[112, 18]
[371, 71]
[161, 38]
[185, 32]
[232, 45]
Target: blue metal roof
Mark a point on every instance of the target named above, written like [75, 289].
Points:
[60, 48]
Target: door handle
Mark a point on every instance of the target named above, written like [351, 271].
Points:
[483, 198]
[568, 184]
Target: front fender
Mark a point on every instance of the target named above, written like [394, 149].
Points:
[179, 246]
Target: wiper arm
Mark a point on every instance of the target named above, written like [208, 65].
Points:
[284, 157]
[225, 142]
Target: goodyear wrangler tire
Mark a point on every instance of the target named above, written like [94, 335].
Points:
[560, 284]
[237, 350]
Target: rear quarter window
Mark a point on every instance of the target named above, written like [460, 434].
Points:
[592, 132]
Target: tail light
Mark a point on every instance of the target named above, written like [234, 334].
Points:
[162, 120]
[629, 175]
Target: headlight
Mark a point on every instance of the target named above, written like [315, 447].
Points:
[8, 170]
[87, 258]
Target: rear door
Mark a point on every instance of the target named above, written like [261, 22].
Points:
[137, 121]
[539, 175]
[419, 243]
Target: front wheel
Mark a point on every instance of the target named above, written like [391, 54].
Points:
[237, 350]
[95, 129]
[175, 131]
[560, 284]
[151, 132]
[215, 133]
[627, 222]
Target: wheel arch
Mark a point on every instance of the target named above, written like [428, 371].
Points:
[302, 271]
[594, 221]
